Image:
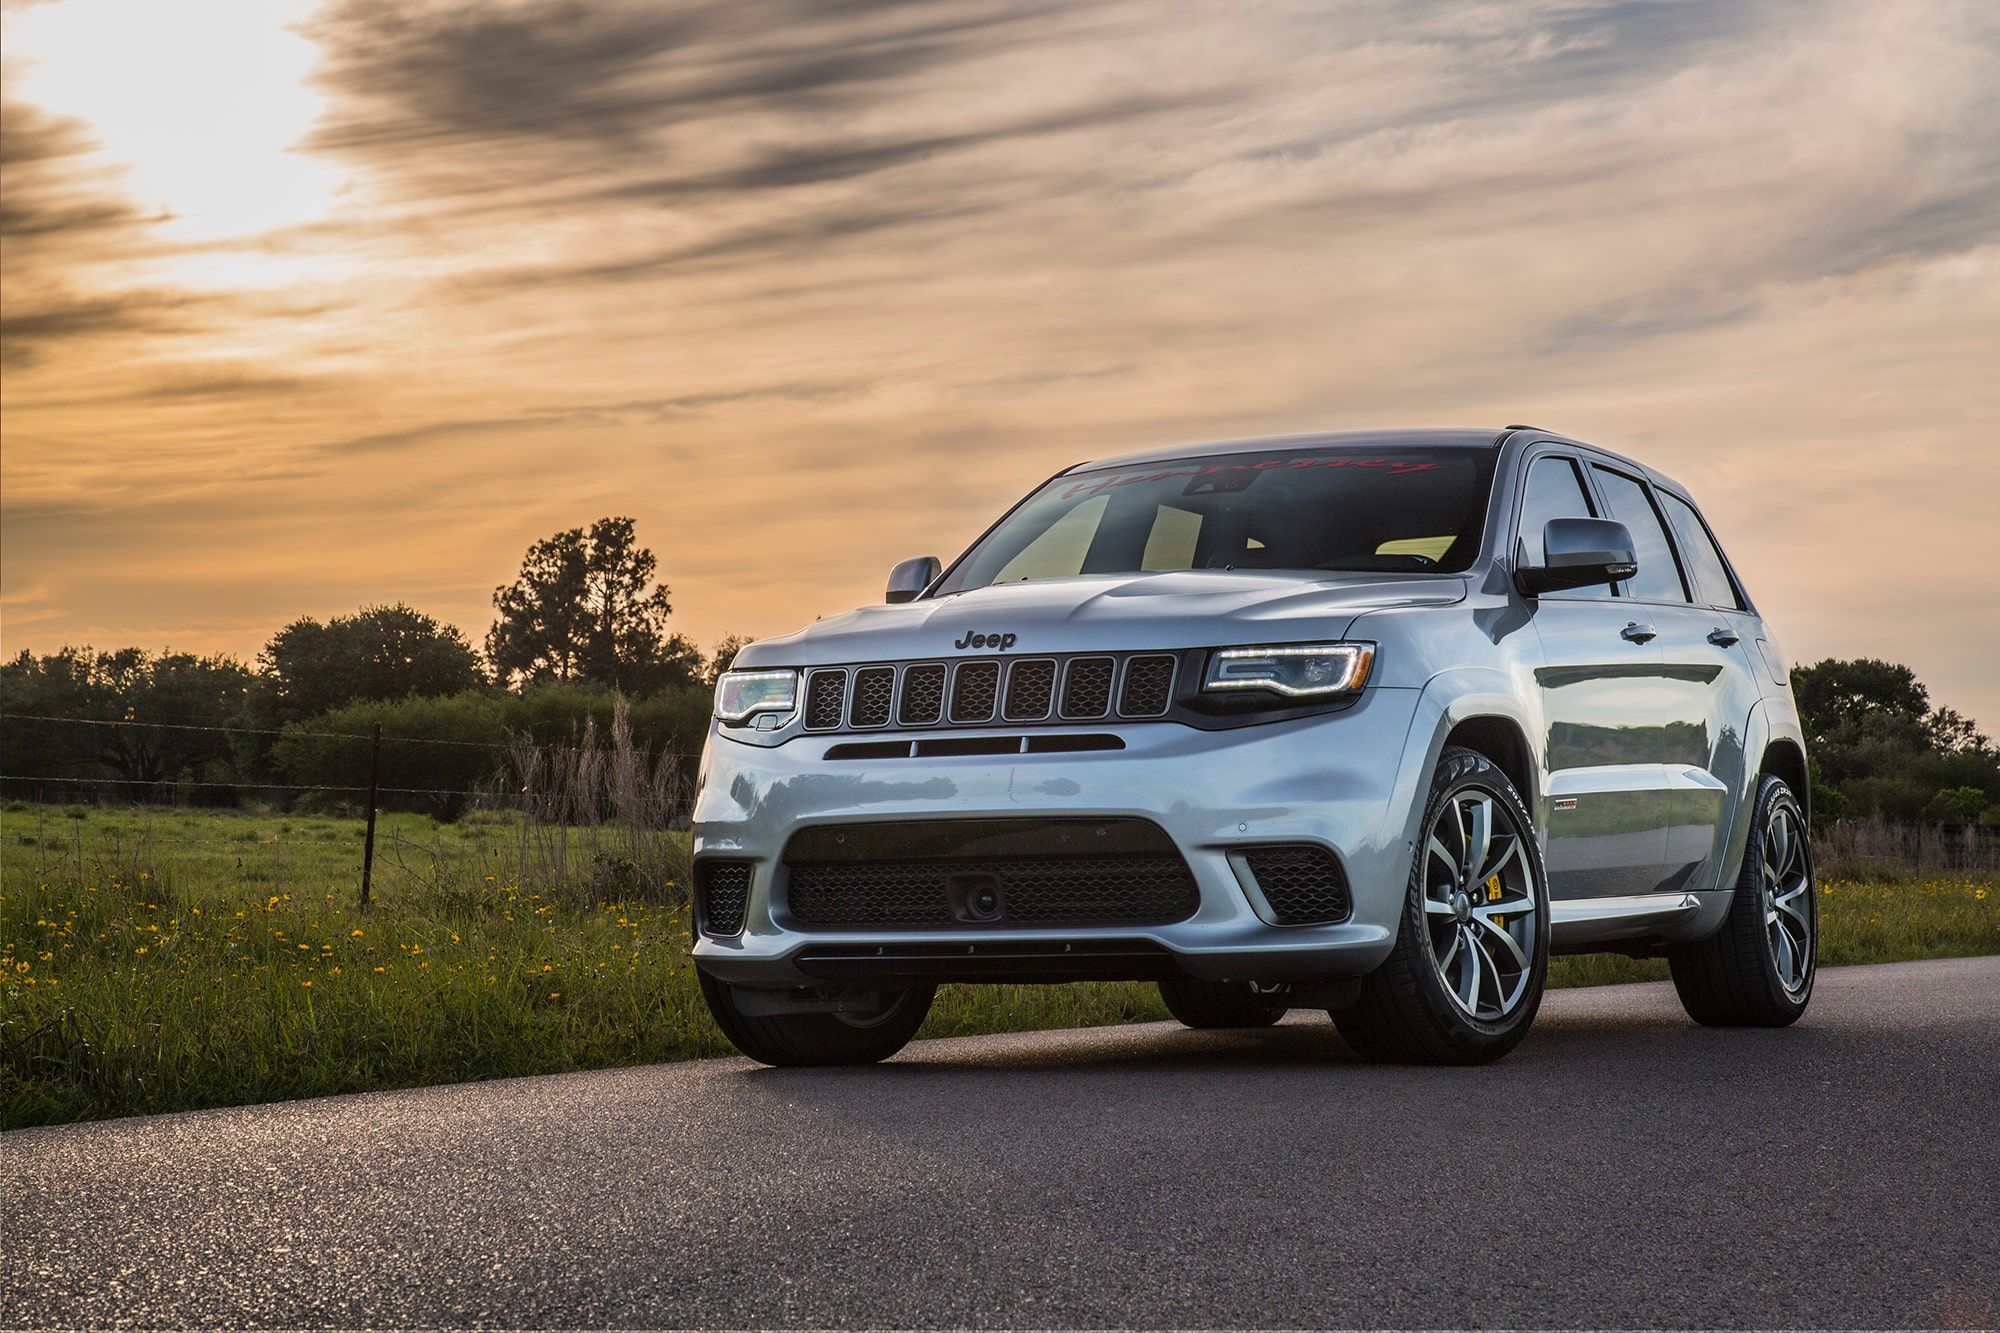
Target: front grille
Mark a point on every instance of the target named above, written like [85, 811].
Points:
[975, 686]
[986, 873]
[1031, 687]
[1304, 884]
[1042, 891]
[988, 691]
[923, 695]
[826, 695]
[1149, 686]
[721, 896]
[874, 687]
[1086, 690]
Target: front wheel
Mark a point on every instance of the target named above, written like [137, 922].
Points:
[862, 1030]
[1757, 971]
[1472, 952]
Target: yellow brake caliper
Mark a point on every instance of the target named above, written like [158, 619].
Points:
[1493, 895]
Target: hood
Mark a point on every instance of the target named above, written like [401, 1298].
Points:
[1105, 612]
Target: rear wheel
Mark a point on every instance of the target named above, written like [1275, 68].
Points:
[1217, 1004]
[867, 1026]
[1464, 981]
[1757, 971]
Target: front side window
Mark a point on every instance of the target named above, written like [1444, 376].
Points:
[1555, 490]
[1705, 564]
[1418, 511]
[1659, 578]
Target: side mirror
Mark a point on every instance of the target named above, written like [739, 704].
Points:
[1577, 553]
[908, 580]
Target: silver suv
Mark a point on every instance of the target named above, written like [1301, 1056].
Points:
[1369, 722]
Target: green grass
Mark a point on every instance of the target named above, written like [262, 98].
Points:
[188, 959]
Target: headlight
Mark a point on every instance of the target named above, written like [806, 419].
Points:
[1295, 670]
[740, 695]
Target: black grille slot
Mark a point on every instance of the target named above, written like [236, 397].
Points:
[1031, 688]
[1149, 686]
[873, 688]
[1086, 690]
[923, 695]
[1304, 884]
[721, 895]
[826, 694]
[974, 688]
[1032, 891]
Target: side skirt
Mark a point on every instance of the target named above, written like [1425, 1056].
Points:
[1587, 925]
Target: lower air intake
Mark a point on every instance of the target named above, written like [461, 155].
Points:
[721, 896]
[1304, 884]
[993, 873]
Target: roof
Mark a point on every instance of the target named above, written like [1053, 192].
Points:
[1340, 439]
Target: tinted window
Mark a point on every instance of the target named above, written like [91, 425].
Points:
[1658, 579]
[1704, 561]
[1555, 490]
[1316, 509]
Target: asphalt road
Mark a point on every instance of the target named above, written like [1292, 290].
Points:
[1623, 1167]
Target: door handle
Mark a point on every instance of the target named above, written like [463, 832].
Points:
[1723, 638]
[1638, 633]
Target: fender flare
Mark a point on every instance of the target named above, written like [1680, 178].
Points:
[1446, 700]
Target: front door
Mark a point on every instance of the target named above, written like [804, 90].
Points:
[1602, 716]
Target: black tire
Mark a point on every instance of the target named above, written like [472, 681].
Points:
[1405, 1013]
[1217, 1004]
[818, 1039]
[1734, 978]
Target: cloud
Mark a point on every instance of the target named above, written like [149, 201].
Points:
[808, 287]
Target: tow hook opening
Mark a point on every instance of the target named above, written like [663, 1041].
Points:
[976, 896]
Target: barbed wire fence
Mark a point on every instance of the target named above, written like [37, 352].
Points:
[597, 815]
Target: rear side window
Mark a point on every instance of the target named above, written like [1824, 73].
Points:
[1555, 490]
[1659, 578]
[1704, 562]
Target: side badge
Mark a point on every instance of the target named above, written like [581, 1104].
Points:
[1565, 803]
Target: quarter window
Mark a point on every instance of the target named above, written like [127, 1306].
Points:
[1659, 578]
[1706, 569]
[1555, 490]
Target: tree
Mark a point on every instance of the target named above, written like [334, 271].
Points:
[725, 653]
[1878, 747]
[586, 610]
[170, 712]
[380, 653]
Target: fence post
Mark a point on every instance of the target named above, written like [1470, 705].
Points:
[368, 842]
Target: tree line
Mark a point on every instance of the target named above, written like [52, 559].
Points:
[583, 626]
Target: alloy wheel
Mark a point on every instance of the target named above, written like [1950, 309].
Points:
[1785, 876]
[1480, 904]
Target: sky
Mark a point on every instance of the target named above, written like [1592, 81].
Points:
[308, 306]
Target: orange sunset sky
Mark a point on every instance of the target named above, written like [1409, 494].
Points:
[314, 305]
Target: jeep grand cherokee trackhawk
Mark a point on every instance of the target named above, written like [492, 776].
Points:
[1368, 722]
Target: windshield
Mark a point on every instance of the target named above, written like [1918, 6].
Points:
[1309, 509]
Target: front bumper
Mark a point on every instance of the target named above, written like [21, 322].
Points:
[1338, 780]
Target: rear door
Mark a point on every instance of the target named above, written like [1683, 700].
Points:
[1720, 633]
[1697, 755]
[1598, 689]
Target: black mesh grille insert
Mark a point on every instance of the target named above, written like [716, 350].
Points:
[974, 687]
[873, 687]
[1303, 884]
[1149, 685]
[923, 695]
[826, 694]
[1031, 687]
[721, 894]
[1031, 892]
[1086, 688]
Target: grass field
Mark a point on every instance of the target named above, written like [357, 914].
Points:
[175, 960]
